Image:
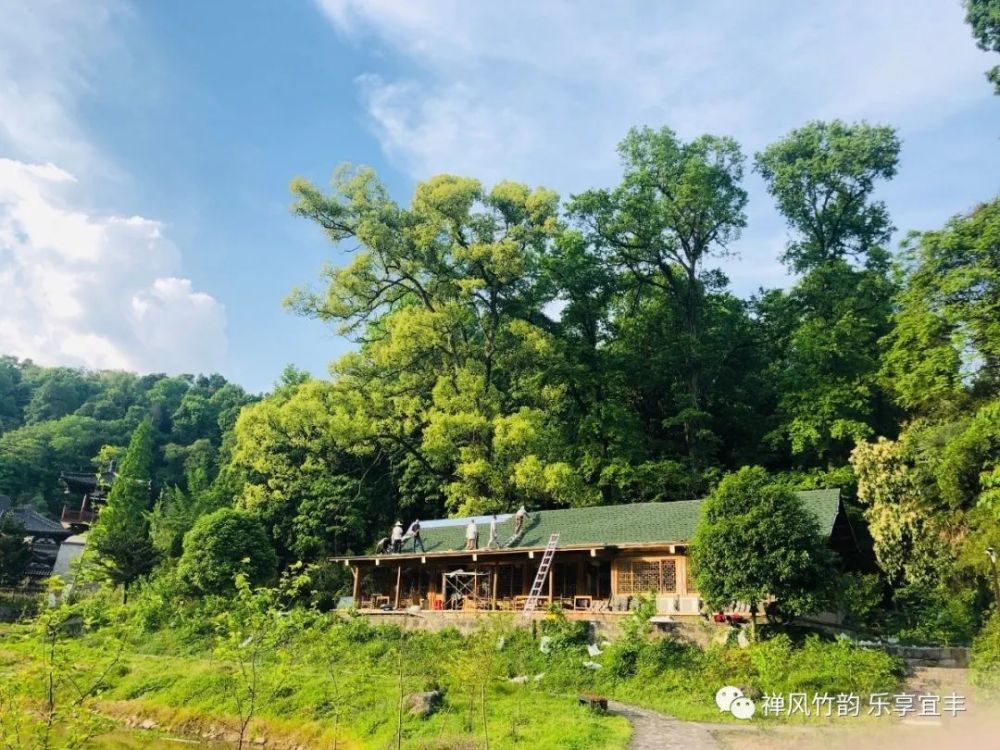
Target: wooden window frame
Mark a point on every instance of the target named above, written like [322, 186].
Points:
[620, 574]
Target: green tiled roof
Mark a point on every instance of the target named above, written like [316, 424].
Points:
[635, 523]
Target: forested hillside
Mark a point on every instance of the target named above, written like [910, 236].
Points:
[60, 419]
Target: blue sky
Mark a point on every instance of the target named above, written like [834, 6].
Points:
[146, 148]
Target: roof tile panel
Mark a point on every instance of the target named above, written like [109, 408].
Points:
[633, 523]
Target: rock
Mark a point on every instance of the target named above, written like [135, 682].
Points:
[592, 665]
[148, 724]
[545, 645]
[424, 704]
[520, 679]
[259, 741]
[593, 649]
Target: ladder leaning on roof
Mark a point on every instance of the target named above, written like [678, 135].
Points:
[543, 570]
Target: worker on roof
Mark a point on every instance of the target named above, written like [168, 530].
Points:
[414, 533]
[397, 537]
[472, 535]
[519, 518]
[494, 541]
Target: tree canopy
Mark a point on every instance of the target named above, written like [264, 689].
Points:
[223, 545]
[755, 540]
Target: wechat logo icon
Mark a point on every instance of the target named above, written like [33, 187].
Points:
[731, 699]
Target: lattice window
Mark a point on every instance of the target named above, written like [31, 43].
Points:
[668, 576]
[644, 576]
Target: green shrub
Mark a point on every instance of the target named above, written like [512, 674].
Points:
[937, 615]
[621, 660]
[223, 544]
[565, 632]
[17, 606]
[156, 601]
[986, 655]
[861, 598]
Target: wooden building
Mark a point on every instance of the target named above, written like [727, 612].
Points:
[89, 491]
[607, 557]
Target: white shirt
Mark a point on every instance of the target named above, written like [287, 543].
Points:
[397, 532]
[471, 531]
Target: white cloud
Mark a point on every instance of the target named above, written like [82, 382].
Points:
[543, 91]
[96, 291]
[79, 286]
[50, 56]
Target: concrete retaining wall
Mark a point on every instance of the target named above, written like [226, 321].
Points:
[929, 656]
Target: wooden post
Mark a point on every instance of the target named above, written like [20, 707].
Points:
[493, 602]
[356, 589]
[399, 581]
[552, 580]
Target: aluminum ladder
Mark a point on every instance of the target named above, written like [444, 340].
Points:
[543, 570]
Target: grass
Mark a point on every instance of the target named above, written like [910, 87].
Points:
[327, 681]
[192, 694]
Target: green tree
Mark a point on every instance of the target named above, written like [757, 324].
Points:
[120, 537]
[56, 392]
[944, 349]
[315, 497]
[11, 394]
[827, 327]
[927, 503]
[15, 554]
[456, 373]
[678, 205]
[755, 540]
[222, 545]
[176, 511]
[984, 18]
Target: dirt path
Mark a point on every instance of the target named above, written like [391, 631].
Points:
[655, 731]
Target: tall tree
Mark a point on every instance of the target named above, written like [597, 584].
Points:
[984, 18]
[120, 537]
[457, 361]
[678, 205]
[823, 177]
